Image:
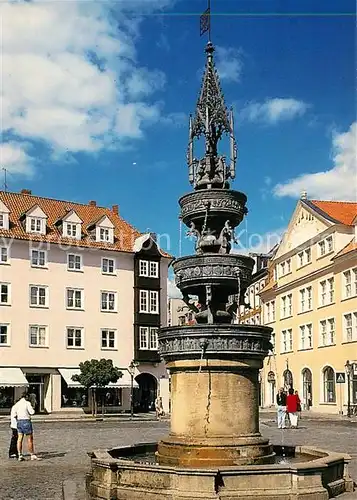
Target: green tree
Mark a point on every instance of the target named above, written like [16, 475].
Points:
[95, 375]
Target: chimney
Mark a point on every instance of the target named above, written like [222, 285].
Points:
[115, 209]
[303, 195]
[26, 191]
[92, 203]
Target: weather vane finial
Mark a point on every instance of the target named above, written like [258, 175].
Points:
[205, 21]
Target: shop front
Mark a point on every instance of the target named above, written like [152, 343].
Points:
[12, 383]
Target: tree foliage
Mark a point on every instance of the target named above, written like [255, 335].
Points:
[96, 375]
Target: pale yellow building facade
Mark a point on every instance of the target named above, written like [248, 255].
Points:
[310, 301]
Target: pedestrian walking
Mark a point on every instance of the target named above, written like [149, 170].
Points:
[23, 411]
[298, 404]
[14, 435]
[292, 408]
[159, 408]
[281, 408]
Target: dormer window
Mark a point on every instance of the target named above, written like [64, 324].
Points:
[71, 225]
[104, 230]
[35, 220]
[35, 225]
[104, 234]
[4, 216]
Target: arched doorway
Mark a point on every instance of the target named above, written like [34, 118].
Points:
[272, 388]
[307, 388]
[288, 379]
[145, 394]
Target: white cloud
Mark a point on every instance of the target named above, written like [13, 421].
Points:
[257, 242]
[176, 119]
[14, 158]
[70, 76]
[338, 183]
[172, 291]
[273, 110]
[229, 63]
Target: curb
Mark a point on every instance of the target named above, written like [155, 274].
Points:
[6, 421]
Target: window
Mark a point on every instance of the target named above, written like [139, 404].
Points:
[4, 293]
[329, 244]
[154, 270]
[4, 255]
[306, 336]
[38, 336]
[305, 299]
[108, 301]
[71, 230]
[270, 311]
[327, 292]
[38, 296]
[326, 246]
[350, 283]
[74, 338]
[108, 339]
[287, 340]
[148, 338]
[74, 298]
[148, 268]
[327, 332]
[286, 306]
[104, 234]
[108, 266]
[38, 258]
[149, 301]
[74, 262]
[350, 326]
[2, 221]
[4, 335]
[35, 225]
[304, 257]
[329, 385]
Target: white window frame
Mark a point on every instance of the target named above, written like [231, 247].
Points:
[71, 230]
[349, 285]
[326, 246]
[286, 340]
[326, 291]
[75, 267]
[37, 262]
[143, 268]
[8, 293]
[38, 327]
[8, 338]
[352, 335]
[149, 295]
[2, 220]
[105, 234]
[81, 292]
[306, 336]
[108, 331]
[153, 269]
[75, 330]
[270, 311]
[327, 335]
[148, 340]
[108, 260]
[110, 303]
[35, 225]
[4, 255]
[38, 296]
[305, 299]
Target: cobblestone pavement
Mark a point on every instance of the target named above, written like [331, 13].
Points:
[63, 447]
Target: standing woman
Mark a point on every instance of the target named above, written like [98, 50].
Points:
[13, 443]
[292, 408]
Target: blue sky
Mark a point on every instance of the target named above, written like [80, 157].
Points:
[97, 97]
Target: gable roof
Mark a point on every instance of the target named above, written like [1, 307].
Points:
[20, 203]
[339, 212]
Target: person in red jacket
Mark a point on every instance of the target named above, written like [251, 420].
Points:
[292, 404]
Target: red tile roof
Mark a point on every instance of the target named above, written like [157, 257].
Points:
[343, 211]
[20, 203]
[350, 247]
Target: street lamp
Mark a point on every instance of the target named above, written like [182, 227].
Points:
[131, 370]
[348, 369]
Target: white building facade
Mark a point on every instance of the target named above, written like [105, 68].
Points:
[70, 291]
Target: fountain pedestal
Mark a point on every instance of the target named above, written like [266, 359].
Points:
[214, 402]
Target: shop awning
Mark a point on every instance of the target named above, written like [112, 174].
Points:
[12, 377]
[124, 381]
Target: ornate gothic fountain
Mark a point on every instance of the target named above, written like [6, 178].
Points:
[214, 449]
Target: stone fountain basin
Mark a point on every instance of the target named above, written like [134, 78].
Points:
[130, 473]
